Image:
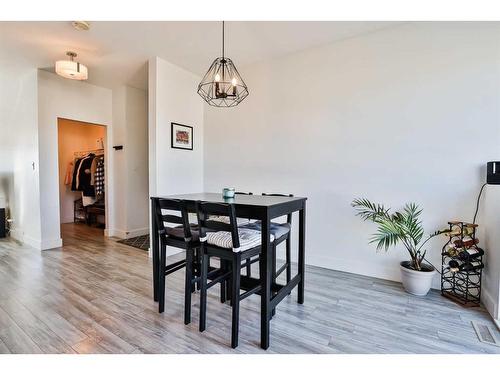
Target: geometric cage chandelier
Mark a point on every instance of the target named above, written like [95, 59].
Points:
[222, 85]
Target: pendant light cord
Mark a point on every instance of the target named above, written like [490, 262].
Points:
[222, 39]
[477, 203]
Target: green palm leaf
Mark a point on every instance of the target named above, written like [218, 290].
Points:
[402, 226]
[388, 234]
[369, 211]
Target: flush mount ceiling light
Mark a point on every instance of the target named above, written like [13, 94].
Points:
[222, 85]
[72, 69]
[81, 25]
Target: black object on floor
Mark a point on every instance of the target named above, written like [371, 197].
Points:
[140, 242]
[2, 222]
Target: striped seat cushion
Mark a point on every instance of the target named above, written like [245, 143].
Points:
[249, 238]
[278, 230]
[225, 220]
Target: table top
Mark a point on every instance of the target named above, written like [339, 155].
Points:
[239, 199]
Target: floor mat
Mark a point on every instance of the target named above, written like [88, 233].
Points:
[140, 242]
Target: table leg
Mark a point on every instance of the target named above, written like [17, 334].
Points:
[154, 249]
[265, 277]
[302, 246]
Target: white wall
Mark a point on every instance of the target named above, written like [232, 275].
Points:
[118, 225]
[405, 114]
[490, 218]
[137, 161]
[130, 172]
[19, 146]
[173, 98]
[60, 97]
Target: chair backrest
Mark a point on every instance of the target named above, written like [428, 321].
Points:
[180, 217]
[289, 216]
[206, 210]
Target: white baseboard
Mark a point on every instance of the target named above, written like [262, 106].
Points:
[36, 243]
[123, 234]
[497, 323]
[51, 243]
[138, 232]
[389, 272]
[16, 235]
[489, 303]
[27, 240]
[170, 251]
[173, 250]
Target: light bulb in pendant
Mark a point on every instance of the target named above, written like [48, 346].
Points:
[217, 87]
[234, 82]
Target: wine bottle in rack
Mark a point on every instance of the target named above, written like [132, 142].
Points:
[470, 253]
[468, 230]
[466, 242]
[452, 250]
[456, 266]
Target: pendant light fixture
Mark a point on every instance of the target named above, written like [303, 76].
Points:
[222, 85]
[72, 69]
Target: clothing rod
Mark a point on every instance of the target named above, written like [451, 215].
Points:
[97, 152]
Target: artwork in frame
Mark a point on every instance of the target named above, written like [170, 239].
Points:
[182, 136]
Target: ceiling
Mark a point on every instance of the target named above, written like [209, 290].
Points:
[117, 52]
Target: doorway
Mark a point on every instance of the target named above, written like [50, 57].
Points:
[82, 175]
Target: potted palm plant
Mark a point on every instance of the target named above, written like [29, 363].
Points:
[406, 228]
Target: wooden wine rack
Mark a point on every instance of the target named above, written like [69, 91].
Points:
[462, 286]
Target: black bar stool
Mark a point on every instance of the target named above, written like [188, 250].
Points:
[281, 232]
[232, 245]
[249, 262]
[184, 236]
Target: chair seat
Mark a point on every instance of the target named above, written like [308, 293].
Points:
[249, 239]
[225, 219]
[178, 232]
[278, 230]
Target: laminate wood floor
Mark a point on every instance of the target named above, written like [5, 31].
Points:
[94, 295]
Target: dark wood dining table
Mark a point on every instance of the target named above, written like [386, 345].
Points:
[263, 208]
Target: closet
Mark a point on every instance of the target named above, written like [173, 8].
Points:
[82, 187]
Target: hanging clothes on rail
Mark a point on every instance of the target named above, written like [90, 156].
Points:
[68, 177]
[74, 180]
[99, 178]
[88, 177]
[82, 177]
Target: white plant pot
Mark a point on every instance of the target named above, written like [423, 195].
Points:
[416, 282]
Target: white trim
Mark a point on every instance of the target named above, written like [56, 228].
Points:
[35, 243]
[170, 251]
[123, 234]
[489, 303]
[138, 232]
[173, 250]
[15, 235]
[390, 272]
[51, 243]
[27, 240]
[497, 323]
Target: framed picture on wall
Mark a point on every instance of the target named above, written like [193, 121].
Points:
[182, 136]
